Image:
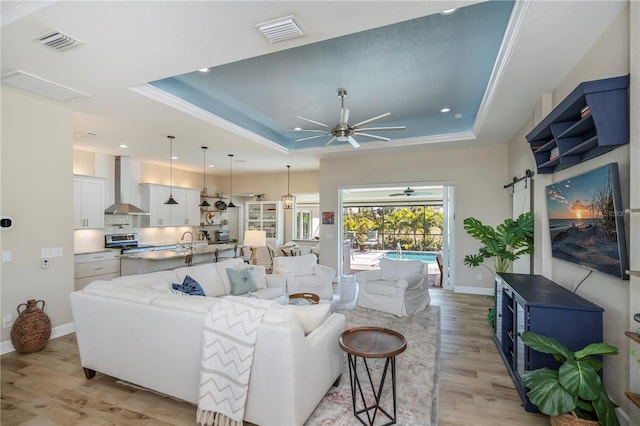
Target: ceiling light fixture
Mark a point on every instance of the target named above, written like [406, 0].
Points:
[204, 192]
[171, 200]
[448, 11]
[445, 110]
[124, 146]
[288, 200]
[231, 182]
[204, 70]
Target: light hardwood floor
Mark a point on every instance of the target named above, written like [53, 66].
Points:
[49, 387]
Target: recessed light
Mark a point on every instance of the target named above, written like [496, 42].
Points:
[124, 146]
[445, 110]
[204, 70]
[458, 115]
[297, 128]
[211, 166]
[174, 158]
[448, 11]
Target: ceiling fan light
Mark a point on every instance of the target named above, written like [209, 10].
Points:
[342, 139]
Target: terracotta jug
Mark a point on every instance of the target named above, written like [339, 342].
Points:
[32, 328]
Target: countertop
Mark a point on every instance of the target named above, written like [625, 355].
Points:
[172, 254]
[95, 250]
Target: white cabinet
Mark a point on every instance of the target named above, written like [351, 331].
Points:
[88, 202]
[266, 216]
[95, 266]
[185, 213]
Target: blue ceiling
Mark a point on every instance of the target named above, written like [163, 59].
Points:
[412, 69]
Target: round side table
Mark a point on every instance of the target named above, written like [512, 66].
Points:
[372, 342]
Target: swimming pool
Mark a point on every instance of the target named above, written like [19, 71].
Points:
[425, 256]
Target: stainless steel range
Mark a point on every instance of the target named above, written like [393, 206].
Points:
[130, 243]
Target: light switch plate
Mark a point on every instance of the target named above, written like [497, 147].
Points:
[7, 256]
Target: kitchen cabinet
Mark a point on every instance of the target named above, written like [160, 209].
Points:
[90, 267]
[525, 302]
[266, 216]
[185, 213]
[88, 202]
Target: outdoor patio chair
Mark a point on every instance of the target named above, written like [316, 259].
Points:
[372, 240]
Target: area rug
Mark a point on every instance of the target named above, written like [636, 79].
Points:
[417, 372]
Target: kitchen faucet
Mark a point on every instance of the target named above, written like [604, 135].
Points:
[190, 233]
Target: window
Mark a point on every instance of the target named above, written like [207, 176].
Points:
[306, 217]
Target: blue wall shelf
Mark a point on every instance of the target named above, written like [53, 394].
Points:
[580, 137]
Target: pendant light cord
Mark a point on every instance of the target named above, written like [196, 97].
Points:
[171, 165]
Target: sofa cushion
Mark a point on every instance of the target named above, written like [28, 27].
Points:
[148, 280]
[122, 291]
[207, 276]
[196, 304]
[241, 280]
[259, 273]
[298, 265]
[189, 286]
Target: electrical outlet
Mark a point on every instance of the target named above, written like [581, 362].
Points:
[44, 264]
[7, 321]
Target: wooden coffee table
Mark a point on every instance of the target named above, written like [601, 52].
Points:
[304, 299]
[372, 342]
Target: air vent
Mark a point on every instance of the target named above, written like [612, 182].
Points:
[281, 29]
[57, 40]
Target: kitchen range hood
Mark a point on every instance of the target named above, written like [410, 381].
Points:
[123, 190]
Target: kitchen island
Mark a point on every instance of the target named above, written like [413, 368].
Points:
[161, 260]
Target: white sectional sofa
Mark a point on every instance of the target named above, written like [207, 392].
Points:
[133, 329]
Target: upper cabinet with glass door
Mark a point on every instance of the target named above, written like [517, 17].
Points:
[266, 216]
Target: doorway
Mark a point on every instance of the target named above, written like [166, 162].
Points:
[395, 220]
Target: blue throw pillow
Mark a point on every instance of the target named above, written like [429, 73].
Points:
[242, 280]
[189, 286]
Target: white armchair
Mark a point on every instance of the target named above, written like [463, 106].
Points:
[304, 275]
[399, 287]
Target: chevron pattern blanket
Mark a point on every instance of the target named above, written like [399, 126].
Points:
[228, 339]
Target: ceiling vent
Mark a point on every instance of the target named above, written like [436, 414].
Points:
[281, 29]
[57, 40]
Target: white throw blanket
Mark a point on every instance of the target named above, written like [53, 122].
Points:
[229, 335]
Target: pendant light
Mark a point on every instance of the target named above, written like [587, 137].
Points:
[288, 200]
[204, 193]
[231, 182]
[171, 200]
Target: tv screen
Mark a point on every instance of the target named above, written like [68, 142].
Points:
[586, 221]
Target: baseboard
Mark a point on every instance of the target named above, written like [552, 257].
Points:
[474, 290]
[59, 331]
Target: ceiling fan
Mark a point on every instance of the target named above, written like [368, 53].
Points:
[345, 132]
[409, 193]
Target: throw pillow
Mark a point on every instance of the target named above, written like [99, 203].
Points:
[311, 316]
[189, 286]
[242, 280]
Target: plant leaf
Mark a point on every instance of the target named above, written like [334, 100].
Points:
[547, 393]
[579, 378]
[606, 409]
[545, 344]
[596, 349]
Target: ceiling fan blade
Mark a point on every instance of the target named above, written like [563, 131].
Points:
[330, 140]
[302, 130]
[353, 142]
[381, 138]
[344, 117]
[383, 128]
[396, 195]
[312, 137]
[313, 121]
[371, 120]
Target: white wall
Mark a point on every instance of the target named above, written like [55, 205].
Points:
[609, 57]
[478, 173]
[37, 191]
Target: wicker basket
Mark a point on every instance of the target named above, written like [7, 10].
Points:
[32, 328]
[571, 420]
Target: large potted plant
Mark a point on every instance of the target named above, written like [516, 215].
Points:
[573, 395]
[503, 244]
